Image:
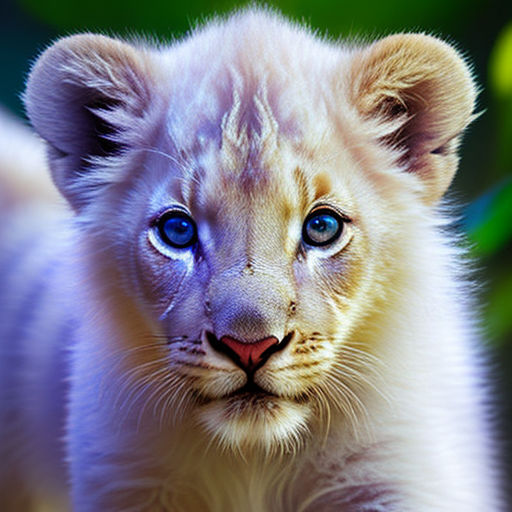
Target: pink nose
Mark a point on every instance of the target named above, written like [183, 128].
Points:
[249, 355]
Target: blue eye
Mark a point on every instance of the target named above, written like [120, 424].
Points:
[177, 229]
[322, 227]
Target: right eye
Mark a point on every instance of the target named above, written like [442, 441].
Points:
[322, 227]
[177, 229]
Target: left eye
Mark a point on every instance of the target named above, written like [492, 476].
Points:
[322, 227]
[177, 229]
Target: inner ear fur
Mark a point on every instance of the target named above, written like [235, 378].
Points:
[88, 96]
[423, 90]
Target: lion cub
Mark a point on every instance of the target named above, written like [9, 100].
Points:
[254, 305]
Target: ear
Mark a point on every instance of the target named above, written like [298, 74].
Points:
[423, 94]
[89, 97]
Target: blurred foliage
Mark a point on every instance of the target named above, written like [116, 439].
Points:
[500, 83]
[501, 64]
[489, 220]
[165, 18]
[498, 310]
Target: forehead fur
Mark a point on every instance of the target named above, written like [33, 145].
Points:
[252, 99]
[243, 82]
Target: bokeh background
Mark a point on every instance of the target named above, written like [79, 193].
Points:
[481, 29]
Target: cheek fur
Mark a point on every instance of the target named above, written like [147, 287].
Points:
[328, 285]
[161, 278]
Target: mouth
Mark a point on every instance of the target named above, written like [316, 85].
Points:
[250, 390]
[251, 417]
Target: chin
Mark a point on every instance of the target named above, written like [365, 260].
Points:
[259, 422]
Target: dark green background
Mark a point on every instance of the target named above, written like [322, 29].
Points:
[481, 29]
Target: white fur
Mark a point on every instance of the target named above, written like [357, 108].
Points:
[411, 435]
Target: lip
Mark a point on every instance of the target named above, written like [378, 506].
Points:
[249, 390]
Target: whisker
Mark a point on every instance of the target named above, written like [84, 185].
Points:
[342, 403]
[350, 402]
[121, 356]
[169, 383]
[361, 380]
[186, 399]
[161, 388]
[130, 386]
[154, 151]
[360, 354]
[324, 411]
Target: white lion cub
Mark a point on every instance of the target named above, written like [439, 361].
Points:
[254, 305]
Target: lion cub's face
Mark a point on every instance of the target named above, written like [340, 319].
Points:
[256, 194]
[252, 257]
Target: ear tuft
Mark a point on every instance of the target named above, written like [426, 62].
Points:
[88, 97]
[422, 89]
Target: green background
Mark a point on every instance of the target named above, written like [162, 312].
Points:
[481, 29]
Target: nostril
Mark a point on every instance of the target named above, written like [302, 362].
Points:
[248, 355]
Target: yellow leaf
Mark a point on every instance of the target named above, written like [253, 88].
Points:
[501, 63]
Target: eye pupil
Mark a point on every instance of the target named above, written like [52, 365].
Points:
[182, 226]
[177, 229]
[321, 224]
[322, 227]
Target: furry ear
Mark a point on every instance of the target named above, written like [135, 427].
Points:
[88, 96]
[421, 90]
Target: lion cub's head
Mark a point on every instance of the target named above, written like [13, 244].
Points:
[254, 196]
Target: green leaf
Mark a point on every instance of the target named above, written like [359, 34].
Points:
[488, 220]
[498, 312]
[500, 66]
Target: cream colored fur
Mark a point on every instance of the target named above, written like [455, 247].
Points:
[378, 403]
